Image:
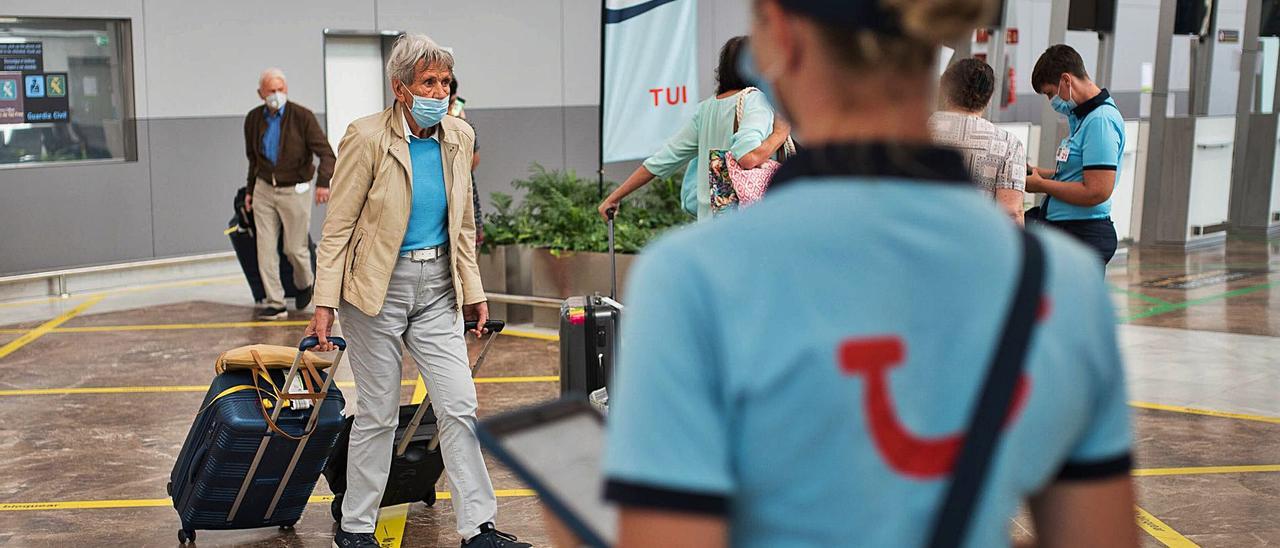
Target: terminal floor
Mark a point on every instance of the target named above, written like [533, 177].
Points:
[97, 393]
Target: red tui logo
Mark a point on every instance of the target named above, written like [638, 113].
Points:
[904, 451]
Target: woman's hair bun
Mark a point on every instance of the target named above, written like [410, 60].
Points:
[941, 21]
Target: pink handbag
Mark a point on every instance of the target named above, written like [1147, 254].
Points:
[733, 187]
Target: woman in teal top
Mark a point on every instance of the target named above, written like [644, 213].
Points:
[757, 138]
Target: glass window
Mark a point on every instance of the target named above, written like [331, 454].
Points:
[66, 91]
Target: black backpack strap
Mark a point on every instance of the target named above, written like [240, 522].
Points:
[975, 455]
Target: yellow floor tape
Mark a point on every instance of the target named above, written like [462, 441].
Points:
[151, 503]
[1205, 412]
[391, 520]
[233, 325]
[1199, 470]
[204, 387]
[1162, 532]
[531, 335]
[46, 327]
[390, 526]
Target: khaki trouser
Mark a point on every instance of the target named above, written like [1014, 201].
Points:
[420, 312]
[274, 208]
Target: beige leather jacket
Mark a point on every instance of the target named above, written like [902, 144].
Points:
[369, 212]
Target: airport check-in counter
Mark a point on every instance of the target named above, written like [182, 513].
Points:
[1209, 191]
[1274, 217]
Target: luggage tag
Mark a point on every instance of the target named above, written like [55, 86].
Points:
[302, 188]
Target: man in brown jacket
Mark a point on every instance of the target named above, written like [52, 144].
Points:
[397, 262]
[282, 140]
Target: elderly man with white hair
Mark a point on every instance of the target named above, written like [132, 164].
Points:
[397, 261]
[282, 140]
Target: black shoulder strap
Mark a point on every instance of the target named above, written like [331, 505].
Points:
[984, 427]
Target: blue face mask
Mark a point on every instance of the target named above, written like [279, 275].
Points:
[1063, 106]
[428, 112]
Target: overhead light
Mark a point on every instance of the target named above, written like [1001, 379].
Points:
[8, 19]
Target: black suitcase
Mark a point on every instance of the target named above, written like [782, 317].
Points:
[234, 471]
[245, 243]
[416, 463]
[589, 336]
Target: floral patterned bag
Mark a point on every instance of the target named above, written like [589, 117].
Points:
[733, 187]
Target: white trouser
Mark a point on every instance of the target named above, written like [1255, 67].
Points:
[420, 310]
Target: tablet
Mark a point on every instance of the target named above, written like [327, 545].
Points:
[557, 449]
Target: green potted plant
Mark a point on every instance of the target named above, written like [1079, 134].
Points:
[552, 243]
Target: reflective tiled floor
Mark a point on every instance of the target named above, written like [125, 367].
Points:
[94, 410]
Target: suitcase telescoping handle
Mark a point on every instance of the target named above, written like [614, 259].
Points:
[613, 258]
[495, 327]
[306, 344]
[313, 341]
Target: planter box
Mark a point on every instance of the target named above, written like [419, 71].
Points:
[503, 270]
[493, 274]
[569, 273]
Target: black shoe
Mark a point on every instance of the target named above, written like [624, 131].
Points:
[490, 537]
[304, 297]
[272, 313]
[354, 540]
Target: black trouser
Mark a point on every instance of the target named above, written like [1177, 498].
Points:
[1098, 234]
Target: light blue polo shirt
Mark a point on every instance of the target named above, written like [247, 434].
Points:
[428, 216]
[1096, 141]
[754, 383]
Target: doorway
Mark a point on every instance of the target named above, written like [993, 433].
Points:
[354, 81]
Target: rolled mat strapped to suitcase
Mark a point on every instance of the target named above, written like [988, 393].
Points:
[252, 458]
[416, 463]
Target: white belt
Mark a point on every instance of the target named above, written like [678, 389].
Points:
[428, 254]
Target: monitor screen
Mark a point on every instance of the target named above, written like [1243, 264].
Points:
[1270, 25]
[1092, 15]
[1192, 17]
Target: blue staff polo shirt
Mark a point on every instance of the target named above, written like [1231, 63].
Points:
[806, 368]
[428, 216]
[1096, 142]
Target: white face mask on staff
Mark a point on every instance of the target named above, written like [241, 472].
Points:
[276, 101]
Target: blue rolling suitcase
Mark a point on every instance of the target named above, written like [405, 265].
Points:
[249, 461]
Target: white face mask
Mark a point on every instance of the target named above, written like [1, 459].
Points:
[276, 100]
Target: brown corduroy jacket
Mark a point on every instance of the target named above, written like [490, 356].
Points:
[301, 141]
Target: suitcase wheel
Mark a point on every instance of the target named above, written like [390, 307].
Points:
[288, 526]
[168, 488]
[335, 507]
[430, 499]
[186, 535]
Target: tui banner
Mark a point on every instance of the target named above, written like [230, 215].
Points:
[650, 86]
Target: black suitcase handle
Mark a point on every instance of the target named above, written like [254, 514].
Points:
[312, 342]
[495, 326]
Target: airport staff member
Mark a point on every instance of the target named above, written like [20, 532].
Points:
[830, 414]
[398, 260]
[1088, 160]
[281, 140]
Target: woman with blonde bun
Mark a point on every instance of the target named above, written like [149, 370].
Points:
[817, 370]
